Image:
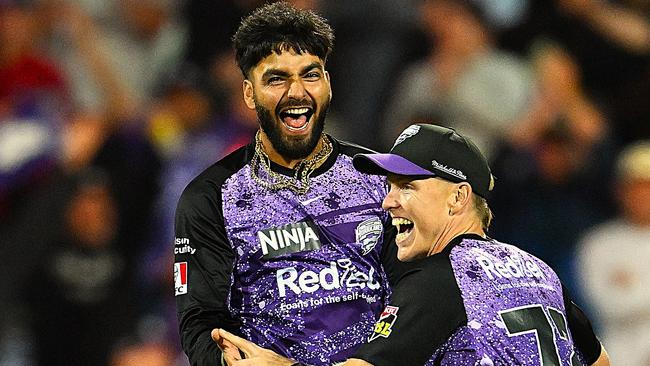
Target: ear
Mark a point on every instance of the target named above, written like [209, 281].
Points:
[249, 94]
[460, 198]
[329, 84]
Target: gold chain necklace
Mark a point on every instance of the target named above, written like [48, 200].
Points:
[299, 183]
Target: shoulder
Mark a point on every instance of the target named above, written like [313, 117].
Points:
[429, 279]
[350, 149]
[208, 183]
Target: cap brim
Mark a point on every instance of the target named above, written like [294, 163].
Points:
[384, 164]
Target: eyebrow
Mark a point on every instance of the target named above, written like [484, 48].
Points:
[313, 65]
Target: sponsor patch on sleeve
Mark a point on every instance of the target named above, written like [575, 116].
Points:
[384, 326]
[180, 278]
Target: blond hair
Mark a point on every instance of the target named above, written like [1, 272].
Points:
[483, 211]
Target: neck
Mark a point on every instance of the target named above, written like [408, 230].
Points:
[452, 230]
[279, 159]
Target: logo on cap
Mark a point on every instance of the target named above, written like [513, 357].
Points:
[451, 171]
[410, 131]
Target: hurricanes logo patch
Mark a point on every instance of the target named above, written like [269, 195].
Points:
[410, 131]
[180, 278]
[368, 233]
[384, 326]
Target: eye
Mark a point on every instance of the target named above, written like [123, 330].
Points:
[312, 76]
[274, 80]
[404, 186]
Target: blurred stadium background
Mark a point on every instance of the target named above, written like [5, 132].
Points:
[109, 107]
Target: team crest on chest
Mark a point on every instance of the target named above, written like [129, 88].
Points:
[368, 233]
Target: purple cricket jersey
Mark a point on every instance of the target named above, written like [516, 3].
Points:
[306, 281]
[478, 302]
[299, 274]
[514, 305]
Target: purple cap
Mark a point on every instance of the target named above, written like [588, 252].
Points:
[428, 150]
[392, 163]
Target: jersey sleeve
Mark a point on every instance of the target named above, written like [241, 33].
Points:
[426, 309]
[202, 272]
[392, 266]
[581, 330]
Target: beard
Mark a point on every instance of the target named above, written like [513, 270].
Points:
[294, 148]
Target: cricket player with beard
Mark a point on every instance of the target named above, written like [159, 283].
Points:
[283, 241]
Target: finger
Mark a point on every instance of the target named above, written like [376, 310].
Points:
[230, 359]
[246, 346]
[227, 348]
[217, 338]
[251, 362]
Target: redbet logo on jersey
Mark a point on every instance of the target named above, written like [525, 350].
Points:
[328, 278]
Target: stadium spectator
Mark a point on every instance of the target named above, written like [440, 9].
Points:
[613, 263]
[80, 297]
[465, 82]
[562, 157]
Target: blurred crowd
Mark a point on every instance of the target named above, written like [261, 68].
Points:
[108, 108]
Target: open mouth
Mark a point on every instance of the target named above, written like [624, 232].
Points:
[404, 228]
[296, 118]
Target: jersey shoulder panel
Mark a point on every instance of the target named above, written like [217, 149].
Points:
[351, 149]
[216, 174]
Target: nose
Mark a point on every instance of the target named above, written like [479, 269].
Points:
[390, 201]
[296, 90]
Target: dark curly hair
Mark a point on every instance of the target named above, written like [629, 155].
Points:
[279, 27]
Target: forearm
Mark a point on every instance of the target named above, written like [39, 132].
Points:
[195, 328]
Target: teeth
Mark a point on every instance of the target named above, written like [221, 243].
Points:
[398, 221]
[401, 236]
[401, 221]
[297, 110]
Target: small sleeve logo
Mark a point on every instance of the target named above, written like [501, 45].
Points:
[180, 278]
[384, 326]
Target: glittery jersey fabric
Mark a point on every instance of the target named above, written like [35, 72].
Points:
[514, 307]
[313, 304]
[306, 277]
[478, 302]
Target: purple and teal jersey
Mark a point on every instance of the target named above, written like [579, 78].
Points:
[481, 302]
[299, 274]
